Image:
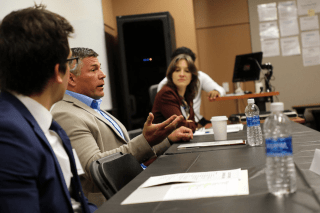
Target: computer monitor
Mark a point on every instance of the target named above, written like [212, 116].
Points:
[247, 67]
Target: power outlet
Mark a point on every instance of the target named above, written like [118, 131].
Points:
[225, 85]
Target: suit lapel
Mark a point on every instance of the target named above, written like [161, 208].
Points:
[83, 106]
[38, 131]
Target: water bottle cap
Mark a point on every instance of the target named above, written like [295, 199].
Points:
[276, 107]
[251, 101]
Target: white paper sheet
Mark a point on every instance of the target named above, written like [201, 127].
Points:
[269, 30]
[305, 5]
[204, 144]
[182, 191]
[192, 177]
[290, 46]
[287, 10]
[267, 12]
[289, 27]
[198, 190]
[230, 128]
[311, 56]
[270, 47]
[310, 39]
[309, 23]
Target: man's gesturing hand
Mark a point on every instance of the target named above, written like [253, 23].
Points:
[181, 134]
[156, 133]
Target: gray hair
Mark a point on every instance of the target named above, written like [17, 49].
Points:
[81, 53]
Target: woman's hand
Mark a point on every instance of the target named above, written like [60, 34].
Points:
[212, 95]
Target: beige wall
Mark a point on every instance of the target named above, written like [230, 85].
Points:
[215, 30]
[223, 31]
[181, 11]
[110, 24]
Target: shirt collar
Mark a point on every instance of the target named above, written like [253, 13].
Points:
[90, 102]
[38, 111]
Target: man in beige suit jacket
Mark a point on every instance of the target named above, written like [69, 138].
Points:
[94, 133]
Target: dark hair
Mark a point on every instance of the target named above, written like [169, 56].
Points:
[192, 88]
[32, 42]
[183, 50]
[82, 53]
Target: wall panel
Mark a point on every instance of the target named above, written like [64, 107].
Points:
[217, 50]
[212, 13]
[223, 32]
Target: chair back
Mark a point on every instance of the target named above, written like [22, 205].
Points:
[153, 92]
[113, 172]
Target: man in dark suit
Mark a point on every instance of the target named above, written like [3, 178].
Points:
[37, 166]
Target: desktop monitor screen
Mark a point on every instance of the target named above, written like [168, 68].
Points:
[247, 67]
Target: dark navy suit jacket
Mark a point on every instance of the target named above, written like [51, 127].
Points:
[30, 176]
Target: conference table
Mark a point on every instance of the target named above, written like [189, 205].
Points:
[305, 199]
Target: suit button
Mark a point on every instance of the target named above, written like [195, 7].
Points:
[80, 194]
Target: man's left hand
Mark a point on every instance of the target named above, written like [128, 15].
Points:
[156, 133]
[212, 95]
[181, 134]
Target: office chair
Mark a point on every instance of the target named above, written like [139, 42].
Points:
[134, 133]
[113, 172]
[153, 92]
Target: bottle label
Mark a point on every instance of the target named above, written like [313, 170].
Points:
[256, 120]
[253, 121]
[279, 147]
[249, 121]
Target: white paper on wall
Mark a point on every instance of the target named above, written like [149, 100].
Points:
[287, 10]
[311, 56]
[290, 46]
[270, 47]
[305, 5]
[289, 27]
[269, 30]
[310, 39]
[267, 12]
[309, 23]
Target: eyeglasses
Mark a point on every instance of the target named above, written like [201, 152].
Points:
[73, 63]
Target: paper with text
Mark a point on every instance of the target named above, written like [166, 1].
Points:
[192, 177]
[227, 187]
[185, 191]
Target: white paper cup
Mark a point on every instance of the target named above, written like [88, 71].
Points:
[219, 125]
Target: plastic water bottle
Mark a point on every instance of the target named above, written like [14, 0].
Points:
[254, 134]
[280, 170]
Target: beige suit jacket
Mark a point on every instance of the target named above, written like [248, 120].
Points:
[94, 137]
